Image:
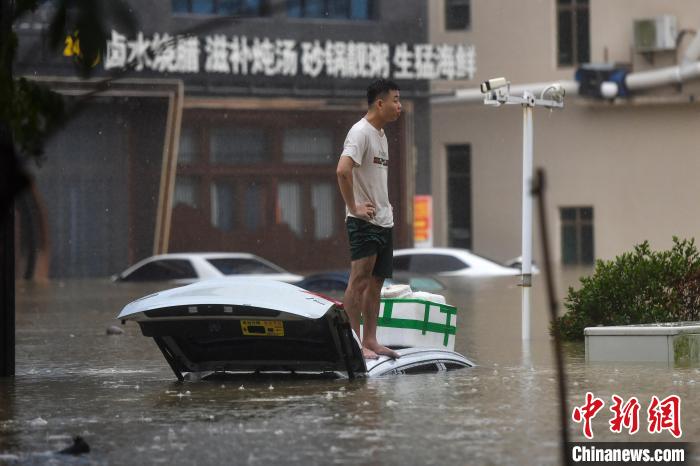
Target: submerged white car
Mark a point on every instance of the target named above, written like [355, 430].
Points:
[448, 262]
[243, 327]
[191, 267]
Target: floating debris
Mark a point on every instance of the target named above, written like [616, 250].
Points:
[114, 330]
[79, 447]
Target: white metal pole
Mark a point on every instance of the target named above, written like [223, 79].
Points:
[527, 218]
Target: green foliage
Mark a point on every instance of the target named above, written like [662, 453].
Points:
[638, 287]
[34, 112]
[30, 109]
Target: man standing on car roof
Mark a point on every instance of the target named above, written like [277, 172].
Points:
[363, 179]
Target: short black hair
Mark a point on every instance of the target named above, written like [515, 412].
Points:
[380, 88]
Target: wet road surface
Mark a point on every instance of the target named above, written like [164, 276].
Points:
[120, 395]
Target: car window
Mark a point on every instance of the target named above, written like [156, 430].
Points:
[425, 284]
[229, 266]
[166, 269]
[326, 285]
[421, 368]
[434, 263]
[451, 366]
[402, 263]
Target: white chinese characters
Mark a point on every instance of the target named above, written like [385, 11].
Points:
[240, 55]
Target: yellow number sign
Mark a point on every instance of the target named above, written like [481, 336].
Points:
[72, 49]
[262, 328]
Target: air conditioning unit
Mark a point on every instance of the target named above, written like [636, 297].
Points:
[655, 34]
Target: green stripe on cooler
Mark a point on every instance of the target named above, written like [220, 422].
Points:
[412, 324]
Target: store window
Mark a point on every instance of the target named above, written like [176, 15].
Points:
[254, 203]
[457, 15]
[577, 235]
[220, 7]
[237, 205]
[573, 36]
[237, 145]
[260, 174]
[322, 202]
[331, 9]
[187, 152]
[289, 202]
[308, 145]
[186, 188]
[223, 209]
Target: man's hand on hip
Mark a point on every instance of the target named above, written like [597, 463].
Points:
[365, 211]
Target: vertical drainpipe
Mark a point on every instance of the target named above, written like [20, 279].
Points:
[171, 146]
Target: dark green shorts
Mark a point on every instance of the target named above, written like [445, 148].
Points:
[367, 239]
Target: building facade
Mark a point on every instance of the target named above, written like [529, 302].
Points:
[224, 133]
[619, 170]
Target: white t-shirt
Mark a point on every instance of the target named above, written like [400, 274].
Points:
[368, 148]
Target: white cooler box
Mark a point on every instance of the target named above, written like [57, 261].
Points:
[417, 319]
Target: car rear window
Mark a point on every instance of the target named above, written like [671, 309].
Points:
[242, 266]
[159, 270]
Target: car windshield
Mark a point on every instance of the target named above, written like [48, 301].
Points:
[167, 269]
[485, 258]
[236, 266]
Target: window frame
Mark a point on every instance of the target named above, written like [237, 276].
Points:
[573, 8]
[451, 4]
[267, 174]
[262, 9]
[455, 177]
[578, 222]
[301, 5]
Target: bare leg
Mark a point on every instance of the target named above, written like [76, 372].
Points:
[360, 279]
[371, 314]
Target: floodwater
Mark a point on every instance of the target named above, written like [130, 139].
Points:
[120, 395]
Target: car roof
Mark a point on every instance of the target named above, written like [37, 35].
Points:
[205, 255]
[343, 274]
[463, 254]
[414, 356]
[433, 251]
[447, 251]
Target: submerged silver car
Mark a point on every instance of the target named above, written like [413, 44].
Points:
[184, 268]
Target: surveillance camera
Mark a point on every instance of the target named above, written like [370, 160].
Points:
[493, 84]
[555, 92]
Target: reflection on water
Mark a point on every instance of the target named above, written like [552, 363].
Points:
[120, 395]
